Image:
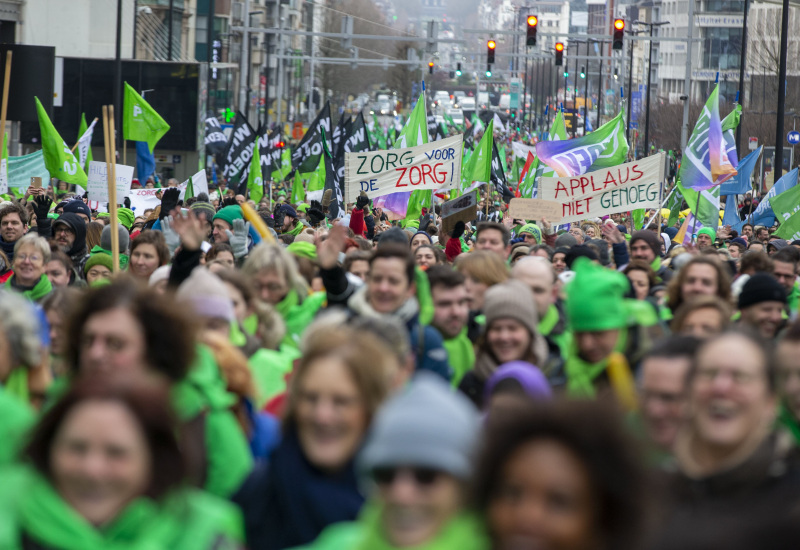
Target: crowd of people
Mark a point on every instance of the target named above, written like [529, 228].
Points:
[354, 382]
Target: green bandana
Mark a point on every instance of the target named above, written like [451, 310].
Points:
[41, 289]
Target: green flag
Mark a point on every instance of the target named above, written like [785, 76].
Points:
[450, 122]
[787, 204]
[298, 191]
[558, 132]
[415, 133]
[704, 204]
[140, 122]
[316, 180]
[82, 130]
[255, 182]
[790, 228]
[286, 165]
[58, 159]
[477, 168]
[189, 189]
[674, 205]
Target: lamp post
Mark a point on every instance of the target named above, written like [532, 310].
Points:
[649, 73]
[779, 135]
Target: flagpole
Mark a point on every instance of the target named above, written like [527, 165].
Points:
[694, 218]
[125, 152]
[664, 202]
[4, 108]
[110, 147]
[79, 140]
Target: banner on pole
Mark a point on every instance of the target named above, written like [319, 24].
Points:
[617, 189]
[432, 166]
[463, 208]
[142, 199]
[535, 210]
[97, 184]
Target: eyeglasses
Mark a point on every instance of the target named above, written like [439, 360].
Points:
[62, 229]
[424, 477]
[33, 258]
[737, 377]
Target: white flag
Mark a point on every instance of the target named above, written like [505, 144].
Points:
[84, 143]
[498, 124]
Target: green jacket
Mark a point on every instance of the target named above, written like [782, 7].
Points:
[464, 532]
[17, 419]
[794, 298]
[269, 368]
[461, 354]
[187, 519]
[35, 294]
[228, 460]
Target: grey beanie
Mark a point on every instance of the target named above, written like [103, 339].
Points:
[566, 240]
[124, 239]
[427, 425]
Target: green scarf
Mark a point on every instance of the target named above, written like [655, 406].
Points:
[581, 374]
[461, 355]
[463, 532]
[296, 231]
[41, 289]
[184, 520]
[18, 418]
[546, 326]
[788, 421]
[298, 315]
[270, 368]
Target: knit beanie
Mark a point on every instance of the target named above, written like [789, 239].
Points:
[126, 217]
[77, 206]
[427, 425]
[229, 213]
[303, 249]
[207, 295]
[287, 210]
[595, 298]
[160, 274]
[566, 240]
[511, 300]
[425, 234]
[204, 207]
[99, 258]
[761, 287]
[532, 380]
[532, 229]
[302, 207]
[580, 251]
[124, 238]
[740, 241]
[708, 231]
[651, 239]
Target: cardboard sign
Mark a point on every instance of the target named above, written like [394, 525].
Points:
[617, 189]
[97, 183]
[535, 210]
[462, 209]
[433, 166]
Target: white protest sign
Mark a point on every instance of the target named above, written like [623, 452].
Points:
[3, 176]
[535, 209]
[617, 189]
[142, 199]
[199, 184]
[432, 166]
[97, 183]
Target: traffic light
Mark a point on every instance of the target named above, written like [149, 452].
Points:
[430, 67]
[616, 74]
[458, 69]
[281, 144]
[488, 71]
[583, 72]
[490, 45]
[619, 31]
[229, 115]
[566, 73]
[533, 22]
[559, 54]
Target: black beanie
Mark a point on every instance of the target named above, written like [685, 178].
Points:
[580, 251]
[761, 287]
[652, 239]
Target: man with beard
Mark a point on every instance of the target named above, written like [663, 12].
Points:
[69, 233]
[13, 225]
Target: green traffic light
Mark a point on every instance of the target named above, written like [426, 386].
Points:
[458, 73]
[566, 74]
[488, 74]
[229, 115]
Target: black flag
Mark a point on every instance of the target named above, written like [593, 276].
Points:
[432, 125]
[305, 157]
[336, 208]
[215, 140]
[270, 151]
[355, 141]
[338, 136]
[236, 157]
[498, 178]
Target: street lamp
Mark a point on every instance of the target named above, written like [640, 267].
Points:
[649, 73]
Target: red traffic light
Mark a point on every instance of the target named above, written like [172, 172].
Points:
[619, 24]
[559, 47]
[491, 44]
[430, 64]
[281, 145]
[532, 20]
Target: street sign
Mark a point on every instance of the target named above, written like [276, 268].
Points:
[793, 138]
[753, 143]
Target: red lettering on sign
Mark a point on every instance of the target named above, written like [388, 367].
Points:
[426, 171]
[560, 188]
[635, 170]
[411, 174]
[402, 173]
[442, 173]
[609, 180]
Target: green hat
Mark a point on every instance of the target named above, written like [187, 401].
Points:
[126, 217]
[708, 231]
[302, 249]
[595, 298]
[532, 229]
[99, 258]
[229, 213]
[103, 215]
[302, 208]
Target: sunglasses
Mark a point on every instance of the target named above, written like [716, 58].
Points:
[424, 477]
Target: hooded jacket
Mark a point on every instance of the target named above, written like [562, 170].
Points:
[78, 253]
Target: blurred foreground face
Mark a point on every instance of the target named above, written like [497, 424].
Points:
[543, 500]
[417, 503]
[100, 460]
[729, 395]
[703, 323]
[508, 340]
[388, 287]
[331, 419]
[663, 398]
[112, 341]
[271, 286]
[788, 356]
[596, 346]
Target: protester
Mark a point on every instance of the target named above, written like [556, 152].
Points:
[31, 254]
[418, 460]
[511, 382]
[761, 305]
[702, 317]
[646, 246]
[450, 317]
[493, 237]
[310, 480]
[784, 269]
[13, 225]
[69, 233]
[550, 476]
[76, 493]
[701, 276]
[642, 278]
[148, 253]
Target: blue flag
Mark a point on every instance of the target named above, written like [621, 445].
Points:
[740, 183]
[763, 214]
[145, 161]
[731, 216]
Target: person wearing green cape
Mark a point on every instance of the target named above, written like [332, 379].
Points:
[104, 470]
[417, 461]
[123, 328]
